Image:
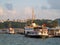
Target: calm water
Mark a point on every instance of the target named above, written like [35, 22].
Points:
[17, 39]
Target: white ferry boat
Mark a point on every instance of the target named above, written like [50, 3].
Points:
[36, 31]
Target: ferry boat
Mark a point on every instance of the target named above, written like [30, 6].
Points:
[36, 31]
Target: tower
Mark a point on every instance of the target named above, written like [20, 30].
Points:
[33, 16]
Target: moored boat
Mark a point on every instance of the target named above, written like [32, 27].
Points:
[11, 31]
[36, 31]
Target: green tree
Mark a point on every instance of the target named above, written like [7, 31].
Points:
[55, 23]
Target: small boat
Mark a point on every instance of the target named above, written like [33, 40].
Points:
[11, 31]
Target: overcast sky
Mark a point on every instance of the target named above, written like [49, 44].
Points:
[22, 9]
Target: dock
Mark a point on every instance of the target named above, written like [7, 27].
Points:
[51, 33]
[16, 31]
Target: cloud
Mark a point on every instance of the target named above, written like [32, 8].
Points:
[7, 14]
[10, 14]
[28, 10]
[9, 6]
[13, 12]
[1, 11]
[55, 4]
[49, 14]
[45, 4]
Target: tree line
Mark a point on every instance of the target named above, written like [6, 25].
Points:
[49, 23]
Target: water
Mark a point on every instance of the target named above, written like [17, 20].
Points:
[17, 39]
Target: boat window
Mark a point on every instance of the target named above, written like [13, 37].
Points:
[29, 29]
[38, 28]
[33, 32]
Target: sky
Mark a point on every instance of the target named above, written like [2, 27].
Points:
[22, 9]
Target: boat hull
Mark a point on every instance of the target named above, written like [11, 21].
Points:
[37, 36]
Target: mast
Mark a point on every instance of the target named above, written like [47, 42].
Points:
[33, 17]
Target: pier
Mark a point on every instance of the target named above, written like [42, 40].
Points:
[16, 31]
[51, 32]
